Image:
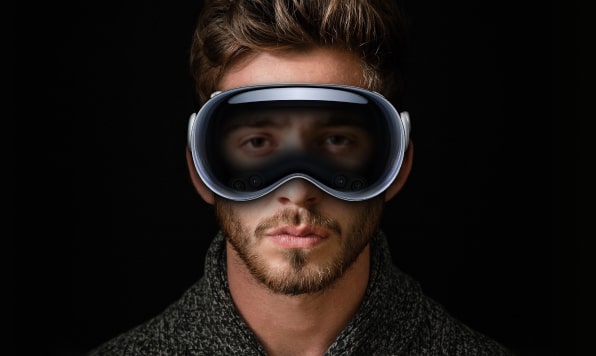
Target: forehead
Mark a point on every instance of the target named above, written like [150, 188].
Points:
[316, 66]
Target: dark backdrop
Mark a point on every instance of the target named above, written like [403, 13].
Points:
[111, 230]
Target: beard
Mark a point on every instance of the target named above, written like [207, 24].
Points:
[300, 273]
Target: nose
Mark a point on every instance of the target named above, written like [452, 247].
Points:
[299, 192]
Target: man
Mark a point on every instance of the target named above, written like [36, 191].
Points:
[298, 153]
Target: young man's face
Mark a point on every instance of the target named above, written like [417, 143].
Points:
[298, 239]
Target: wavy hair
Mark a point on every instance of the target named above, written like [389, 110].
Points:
[230, 29]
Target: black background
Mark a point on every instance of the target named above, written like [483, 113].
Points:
[109, 230]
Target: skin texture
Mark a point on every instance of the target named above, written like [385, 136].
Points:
[297, 258]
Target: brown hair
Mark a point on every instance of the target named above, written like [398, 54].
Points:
[230, 29]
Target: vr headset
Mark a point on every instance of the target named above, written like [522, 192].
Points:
[347, 141]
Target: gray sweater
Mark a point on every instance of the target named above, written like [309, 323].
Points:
[395, 318]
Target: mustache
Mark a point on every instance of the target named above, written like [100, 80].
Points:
[297, 217]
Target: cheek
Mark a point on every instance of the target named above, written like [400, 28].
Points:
[247, 214]
[367, 212]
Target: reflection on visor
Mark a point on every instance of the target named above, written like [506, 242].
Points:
[247, 141]
[257, 146]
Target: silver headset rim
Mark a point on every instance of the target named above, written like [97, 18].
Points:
[399, 133]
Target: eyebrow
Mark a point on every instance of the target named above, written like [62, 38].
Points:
[250, 120]
[345, 119]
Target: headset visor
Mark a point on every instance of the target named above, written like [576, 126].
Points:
[347, 141]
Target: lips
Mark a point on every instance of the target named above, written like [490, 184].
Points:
[302, 236]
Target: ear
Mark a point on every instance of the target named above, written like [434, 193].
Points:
[201, 188]
[403, 173]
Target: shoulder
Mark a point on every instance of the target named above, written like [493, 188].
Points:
[168, 333]
[419, 325]
[197, 324]
[154, 337]
[442, 334]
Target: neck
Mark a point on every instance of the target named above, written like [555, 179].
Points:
[305, 324]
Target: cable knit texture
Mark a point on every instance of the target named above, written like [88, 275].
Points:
[395, 318]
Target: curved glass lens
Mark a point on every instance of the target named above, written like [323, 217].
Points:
[347, 141]
[254, 145]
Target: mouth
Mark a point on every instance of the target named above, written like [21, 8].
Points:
[301, 236]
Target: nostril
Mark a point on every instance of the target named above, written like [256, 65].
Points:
[298, 191]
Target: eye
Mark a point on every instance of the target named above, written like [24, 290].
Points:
[338, 140]
[257, 142]
[337, 143]
[257, 145]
